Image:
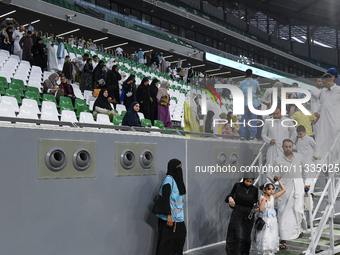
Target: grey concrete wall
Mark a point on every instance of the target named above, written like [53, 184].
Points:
[106, 214]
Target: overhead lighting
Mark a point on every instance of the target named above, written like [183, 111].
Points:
[177, 61]
[219, 73]
[8, 13]
[297, 39]
[170, 56]
[69, 32]
[241, 76]
[212, 70]
[113, 46]
[267, 83]
[100, 39]
[321, 44]
[198, 66]
[33, 22]
[147, 51]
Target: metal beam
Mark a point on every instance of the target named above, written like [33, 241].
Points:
[307, 6]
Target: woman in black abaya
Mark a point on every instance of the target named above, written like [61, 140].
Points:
[171, 227]
[241, 199]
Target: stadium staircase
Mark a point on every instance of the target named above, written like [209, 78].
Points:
[323, 234]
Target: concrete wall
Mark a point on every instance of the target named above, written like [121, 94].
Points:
[106, 214]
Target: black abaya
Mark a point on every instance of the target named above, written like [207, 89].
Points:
[239, 230]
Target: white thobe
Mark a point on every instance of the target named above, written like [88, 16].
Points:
[61, 60]
[16, 36]
[315, 103]
[290, 206]
[273, 129]
[52, 63]
[329, 121]
[308, 148]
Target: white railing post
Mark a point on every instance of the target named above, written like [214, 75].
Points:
[311, 219]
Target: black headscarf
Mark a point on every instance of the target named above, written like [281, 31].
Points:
[177, 173]
[102, 101]
[229, 116]
[208, 125]
[131, 117]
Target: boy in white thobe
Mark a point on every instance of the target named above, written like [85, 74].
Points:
[308, 148]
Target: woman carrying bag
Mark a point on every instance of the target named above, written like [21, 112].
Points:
[171, 227]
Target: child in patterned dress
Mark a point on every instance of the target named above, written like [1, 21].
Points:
[267, 239]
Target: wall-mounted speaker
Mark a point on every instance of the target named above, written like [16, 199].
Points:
[135, 159]
[61, 159]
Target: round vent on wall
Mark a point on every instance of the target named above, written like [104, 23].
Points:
[81, 159]
[146, 159]
[56, 159]
[127, 159]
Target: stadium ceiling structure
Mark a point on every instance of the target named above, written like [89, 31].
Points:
[295, 19]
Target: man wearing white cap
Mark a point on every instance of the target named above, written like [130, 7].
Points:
[17, 35]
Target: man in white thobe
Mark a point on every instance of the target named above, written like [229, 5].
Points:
[52, 63]
[314, 101]
[328, 110]
[16, 36]
[274, 131]
[290, 206]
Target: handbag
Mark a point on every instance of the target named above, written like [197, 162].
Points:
[163, 102]
[159, 203]
[259, 223]
[182, 73]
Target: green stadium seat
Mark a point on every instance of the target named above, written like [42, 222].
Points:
[123, 113]
[117, 120]
[146, 122]
[2, 90]
[65, 107]
[79, 102]
[20, 82]
[13, 93]
[33, 89]
[65, 100]
[3, 80]
[49, 98]
[16, 87]
[158, 123]
[82, 108]
[32, 95]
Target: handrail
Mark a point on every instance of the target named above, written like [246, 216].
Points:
[329, 210]
[113, 127]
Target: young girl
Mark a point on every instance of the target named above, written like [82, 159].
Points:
[267, 239]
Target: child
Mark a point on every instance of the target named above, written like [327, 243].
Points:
[308, 148]
[267, 239]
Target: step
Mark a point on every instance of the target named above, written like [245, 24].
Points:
[319, 193]
[325, 233]
[319, 218]
[303, 243]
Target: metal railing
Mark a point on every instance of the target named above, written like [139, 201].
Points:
[78, 125]
[332, 189]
